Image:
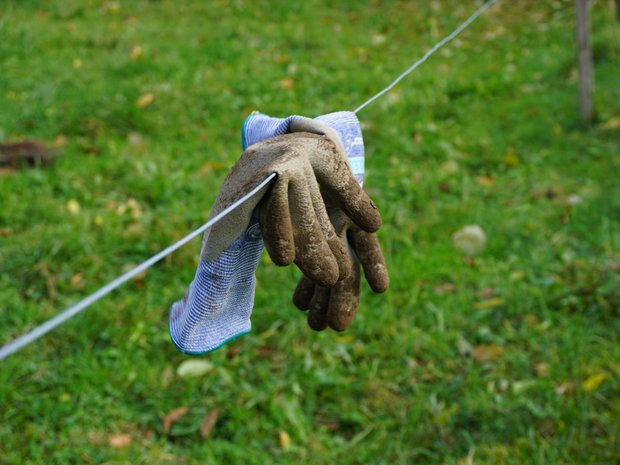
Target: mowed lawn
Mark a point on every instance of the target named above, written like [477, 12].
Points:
[509, 357]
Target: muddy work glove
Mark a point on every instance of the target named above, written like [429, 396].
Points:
[218, 302]
[335, 306]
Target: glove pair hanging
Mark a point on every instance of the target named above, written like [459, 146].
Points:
[314, 214]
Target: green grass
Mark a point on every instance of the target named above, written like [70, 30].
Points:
[511, 358]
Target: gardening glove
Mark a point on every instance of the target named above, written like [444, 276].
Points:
[336, 306]
[218, 303]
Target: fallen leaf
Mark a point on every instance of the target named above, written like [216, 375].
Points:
[330, 424]
[136, 52]
[464, 347]
[208, 423]
[594, 381]
[135, 139]
[73, 207]
[613, 123]
[210, 166]
[111, 7]
[233, 352]
[264, 350]
[530, 320]
[287, 83]
[96, 437]
[145, 100]
[77, 280]
[567, 387]
[281, 58]
[444, 187]
[60, 140]
[486, 181]
[284, 439]
[194, 368]
[486, 353]
[92, 149]
[172, 417]
[118, 441]
[542, 369]
[489, 303]
[470, 239]
[448, 167]
[487, 292]
[377, 38]
[445, 288]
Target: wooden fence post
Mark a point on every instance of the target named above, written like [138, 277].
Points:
[584, 57]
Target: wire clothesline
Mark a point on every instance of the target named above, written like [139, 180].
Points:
[38, 332]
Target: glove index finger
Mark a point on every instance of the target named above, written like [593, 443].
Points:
[369, 253]
[276, 226]
[338, 181]
[359, 206]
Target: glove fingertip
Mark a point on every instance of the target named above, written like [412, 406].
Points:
[317, 324]
[317, 316]
[281, 255]
[378, 278]
[364, 213]
[371, 216]
[303, 294]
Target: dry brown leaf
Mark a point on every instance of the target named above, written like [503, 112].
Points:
[77, 280]
[233, 352]
[445, 288]
[145, 100]
[486, 181]
[542, 369]
[264, 350]
[487, 292]
[60, 140]
[208, 424]
[111, 7]
[444, 187]
[613, 123]
[565, 388]
[172, 417]
[210, 166]
[136, 52]
[486, 353]
[287, 83]
[118, 441]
